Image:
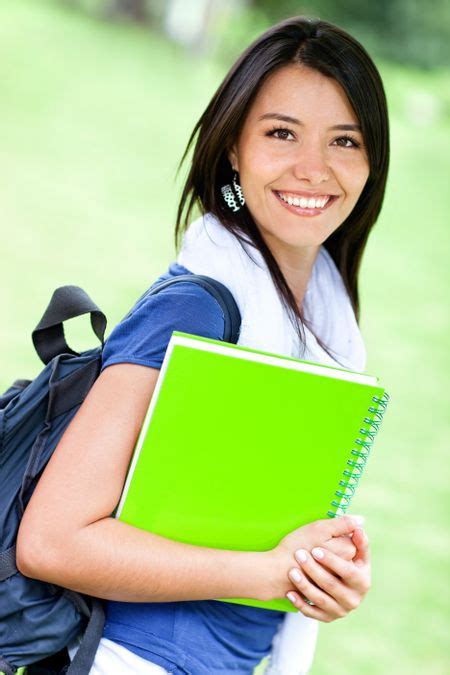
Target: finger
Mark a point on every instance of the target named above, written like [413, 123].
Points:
[308, 610]
[315, 594]
[361, 541]
[341, 546]
[340, 525]
[345, 596]
[360, 519]
[345, 577]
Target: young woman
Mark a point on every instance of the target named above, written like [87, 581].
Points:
[288, 172]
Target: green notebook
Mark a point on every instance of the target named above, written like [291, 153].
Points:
[240, 447]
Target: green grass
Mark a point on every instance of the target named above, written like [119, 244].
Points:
[94, 118]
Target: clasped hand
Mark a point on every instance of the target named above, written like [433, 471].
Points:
[328, 565]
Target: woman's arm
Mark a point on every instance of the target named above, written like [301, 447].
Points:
[68, 537]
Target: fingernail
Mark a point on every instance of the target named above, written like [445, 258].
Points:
[291, 597]
[359, 520]
[301, 555]
[295, 575]
[318, 553]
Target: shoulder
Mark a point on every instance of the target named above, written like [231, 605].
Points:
[183, 298]
[143, 335]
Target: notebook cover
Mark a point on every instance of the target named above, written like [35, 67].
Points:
[234, 453]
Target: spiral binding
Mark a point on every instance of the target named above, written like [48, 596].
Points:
[364, 444]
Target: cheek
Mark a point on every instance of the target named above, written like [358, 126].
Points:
[352, 177]
[260, 166]
[257, 178]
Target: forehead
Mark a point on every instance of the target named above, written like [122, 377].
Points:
[304, 93]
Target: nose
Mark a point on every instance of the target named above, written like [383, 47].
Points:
[311, 164]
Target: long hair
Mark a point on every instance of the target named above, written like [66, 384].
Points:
[328, 49]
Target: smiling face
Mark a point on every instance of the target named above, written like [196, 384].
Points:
[300, 141]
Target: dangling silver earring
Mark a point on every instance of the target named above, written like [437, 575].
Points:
[238, 189]
[230, 192]
[228, 195]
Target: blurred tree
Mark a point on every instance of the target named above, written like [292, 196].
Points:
[132, 9]
[186, 22]
[411, 31]
[193, 23]
[406, 31]
[141, 11]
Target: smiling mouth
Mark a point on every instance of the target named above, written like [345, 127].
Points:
[305, 210]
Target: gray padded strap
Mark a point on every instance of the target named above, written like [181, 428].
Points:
[8, 563]
[84, 658]
[67, 302]
[72, 389]
[5, 667]
[78, 600]
[220, 293]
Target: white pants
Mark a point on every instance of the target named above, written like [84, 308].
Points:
[113, 659]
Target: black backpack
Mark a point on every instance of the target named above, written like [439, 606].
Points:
[38, 620]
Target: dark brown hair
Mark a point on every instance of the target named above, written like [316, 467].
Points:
[330, 50]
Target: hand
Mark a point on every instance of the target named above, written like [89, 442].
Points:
[341, 546]
[329, 532]
[334, 585]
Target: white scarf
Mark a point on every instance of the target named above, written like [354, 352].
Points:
[209, 249]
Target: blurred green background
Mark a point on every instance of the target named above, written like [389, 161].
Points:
[97, 100]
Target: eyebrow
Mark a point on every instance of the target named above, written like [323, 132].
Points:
[294, 120]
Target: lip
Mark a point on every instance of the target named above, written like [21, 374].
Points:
[298, 210]
[306, 193]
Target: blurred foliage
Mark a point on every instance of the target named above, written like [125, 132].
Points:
[403, 31]
[406, 31]
[145, 11]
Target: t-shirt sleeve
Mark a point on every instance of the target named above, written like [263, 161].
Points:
[142, 336]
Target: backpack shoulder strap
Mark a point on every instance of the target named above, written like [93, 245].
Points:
[8, 563]
[84, 658]
[67, 302]
[220, 293]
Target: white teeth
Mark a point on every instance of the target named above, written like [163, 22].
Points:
[305, 203]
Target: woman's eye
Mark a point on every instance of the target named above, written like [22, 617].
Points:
[347, 142]
[282, 133]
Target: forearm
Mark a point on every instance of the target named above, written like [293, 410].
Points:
[112, 560]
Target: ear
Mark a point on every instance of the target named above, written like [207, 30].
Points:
[233, 158]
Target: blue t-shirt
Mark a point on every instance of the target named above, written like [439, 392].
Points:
[198, 637]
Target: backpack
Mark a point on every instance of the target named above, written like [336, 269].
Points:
[38, 619]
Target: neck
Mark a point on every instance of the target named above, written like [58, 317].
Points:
[296, 265]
